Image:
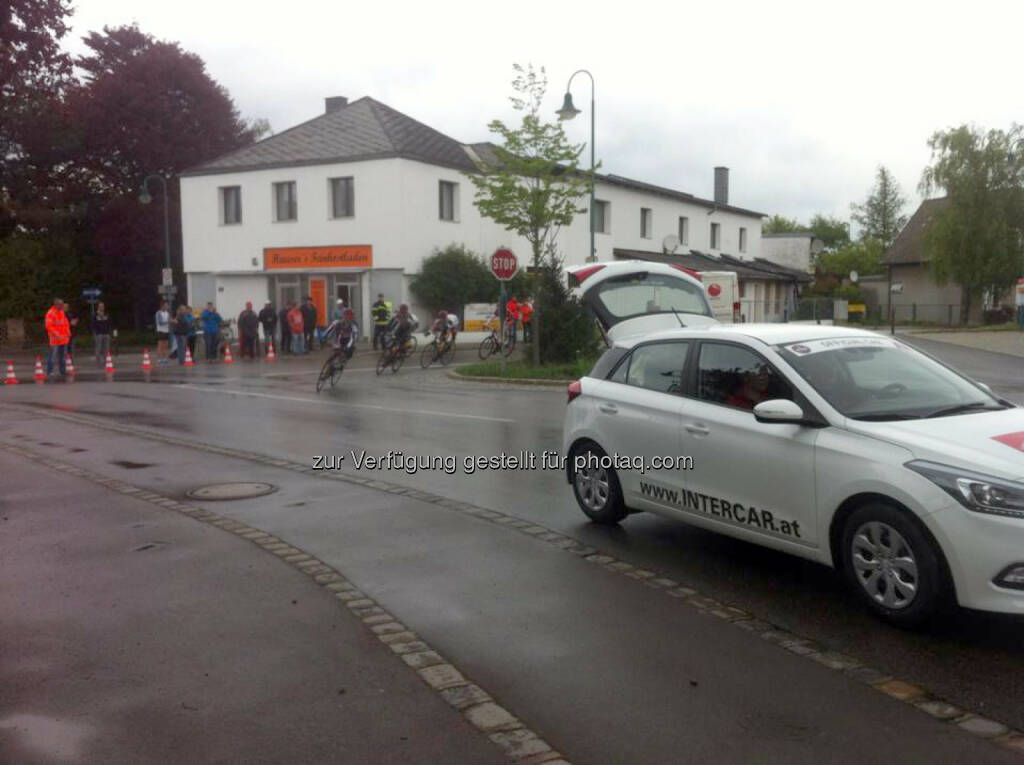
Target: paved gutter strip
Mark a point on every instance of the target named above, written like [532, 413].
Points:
[899, 690]
[477, 707]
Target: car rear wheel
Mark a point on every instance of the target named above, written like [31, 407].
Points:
[596, 486]
[893, 566]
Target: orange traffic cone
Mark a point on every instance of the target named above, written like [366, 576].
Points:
[227, 354]
[147, 366]
[188, 357]
[40, 376]
[270, 352]
[70, 368]
[11, 378]
[109, 368]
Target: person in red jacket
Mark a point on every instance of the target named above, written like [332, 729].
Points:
[526, 316]
[512, 314]
[58, 331]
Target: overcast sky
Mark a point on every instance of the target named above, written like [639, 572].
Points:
[801, 100]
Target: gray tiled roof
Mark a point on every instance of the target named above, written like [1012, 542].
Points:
[908, 245]
[364, 129]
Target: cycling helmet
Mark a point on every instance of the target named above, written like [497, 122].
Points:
[349, 313]
[403, 308]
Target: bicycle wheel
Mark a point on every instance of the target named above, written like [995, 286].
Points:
[509, 343]
[449, 353]
[384, 361]
[487, 347]
[429, 355]
[396, 363]
[325, 374]
[336, 371]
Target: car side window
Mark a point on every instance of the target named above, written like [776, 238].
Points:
[619, 375]
[735, 376]
[657, 367]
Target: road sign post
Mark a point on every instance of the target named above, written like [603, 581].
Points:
[504, 265]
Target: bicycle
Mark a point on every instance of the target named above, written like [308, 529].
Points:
[393, 356]
[331, 370]
[493, 344]
[438, 349]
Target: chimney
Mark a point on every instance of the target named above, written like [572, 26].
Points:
[334, 103]
[721, 185]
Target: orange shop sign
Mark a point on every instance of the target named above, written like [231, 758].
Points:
[330, 256]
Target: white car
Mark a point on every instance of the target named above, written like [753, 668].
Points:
[839, 445]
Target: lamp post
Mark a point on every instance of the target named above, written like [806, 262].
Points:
[568, 112]
[145, 197]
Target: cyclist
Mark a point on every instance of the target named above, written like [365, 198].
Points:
[445, 326]
[343, 334]
[401, 327]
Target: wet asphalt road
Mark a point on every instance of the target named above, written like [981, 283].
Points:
[974, 660]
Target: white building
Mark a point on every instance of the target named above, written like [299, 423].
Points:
[349, 203]
[794, 249]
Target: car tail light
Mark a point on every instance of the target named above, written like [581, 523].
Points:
[695, 274]
[574, 390]
[736, 312]
[576, 277]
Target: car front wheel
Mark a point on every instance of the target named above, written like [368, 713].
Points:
[893, 566]
[596, 486]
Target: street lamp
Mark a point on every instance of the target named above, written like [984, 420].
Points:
[145, 197]
[568, 112]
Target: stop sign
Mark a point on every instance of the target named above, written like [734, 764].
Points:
[504, 264]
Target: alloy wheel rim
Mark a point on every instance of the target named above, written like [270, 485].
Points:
[885, 565]
[592, 486]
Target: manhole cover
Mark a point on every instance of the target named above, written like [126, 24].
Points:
[242, 490]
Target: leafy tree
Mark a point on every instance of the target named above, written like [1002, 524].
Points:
[864, 257]
[976, 240]
[454, 276]
[569, 332]
[881, 215]
[34, 72]
[778, 224]
[535, 186]
[835, 233]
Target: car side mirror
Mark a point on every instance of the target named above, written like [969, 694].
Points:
[780, 410]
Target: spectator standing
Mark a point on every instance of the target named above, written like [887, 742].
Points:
[182, 323]
[193, 329]
[308, 322]
[248, 331]
[162, 319]
[512, 313]
[101, 334]
[69, 311]
[58, 332]
[339, 311]
[526, 315]
[268, 319]
[286, 332]
[381, 311]
[297, 325]
[211, 330]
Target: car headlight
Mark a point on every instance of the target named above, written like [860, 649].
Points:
[975, 491]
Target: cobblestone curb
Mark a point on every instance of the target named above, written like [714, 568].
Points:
[475, 705]
[894, 688]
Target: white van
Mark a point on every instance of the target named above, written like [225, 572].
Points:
[723, 291]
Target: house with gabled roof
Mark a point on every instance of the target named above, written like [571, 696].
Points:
[347, 204]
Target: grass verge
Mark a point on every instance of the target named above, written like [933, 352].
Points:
[523, 370]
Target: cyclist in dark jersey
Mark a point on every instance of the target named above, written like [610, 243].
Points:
[343, 334]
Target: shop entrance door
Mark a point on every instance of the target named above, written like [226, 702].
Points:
[318, 291]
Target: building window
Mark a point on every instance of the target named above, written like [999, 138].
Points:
[716, 235]
[230, 205]
[285, 205]
[343, 201]
[448, 201]
[684, 231]
[646, 222]
[602, 220]
[743, 240]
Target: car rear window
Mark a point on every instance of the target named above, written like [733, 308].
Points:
[646, 293]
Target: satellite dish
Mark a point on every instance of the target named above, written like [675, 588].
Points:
[817, 245]
[854, 276]
[670, 243]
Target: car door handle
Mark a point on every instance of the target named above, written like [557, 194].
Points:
[608, 408]
[697, 429]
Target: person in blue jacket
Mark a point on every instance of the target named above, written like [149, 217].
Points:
[211, 330]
